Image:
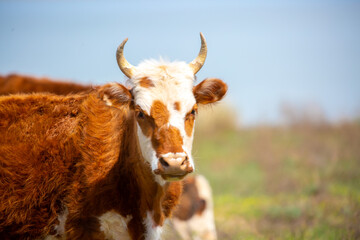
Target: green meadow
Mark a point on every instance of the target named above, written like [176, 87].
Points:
[299, 181]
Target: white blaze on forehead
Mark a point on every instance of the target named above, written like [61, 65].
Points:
[172, 82]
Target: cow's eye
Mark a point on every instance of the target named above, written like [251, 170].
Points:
[191, 115]
[140, 115]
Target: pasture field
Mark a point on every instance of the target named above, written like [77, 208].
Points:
[301, 181]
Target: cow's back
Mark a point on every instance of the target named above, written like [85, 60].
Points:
[35, 153]
[14, 84]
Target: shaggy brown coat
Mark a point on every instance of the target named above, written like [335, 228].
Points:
[79, 152]
[14, 83]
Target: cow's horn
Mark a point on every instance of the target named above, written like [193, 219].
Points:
[124, 65]
[199, 61]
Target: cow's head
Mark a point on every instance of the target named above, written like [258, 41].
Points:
[165, 103]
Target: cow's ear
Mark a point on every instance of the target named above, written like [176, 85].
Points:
[209, 91]
[115, 94]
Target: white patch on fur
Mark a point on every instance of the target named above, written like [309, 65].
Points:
[114, 226]
[199, 226]
[173, 82]
[107, 100]
[160, 180]
[52, 237]
[152, 232]
[178, 157]
[149, 153]
[60, 228]
[182, 154]
[146, 148]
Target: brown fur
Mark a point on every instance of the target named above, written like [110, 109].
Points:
[164, 139]
[77, 151]
[177, 106]
[159, 113]
[210, 90]
[190, 120]
[13, 84]
[145, 82]
[146, 123]
[62, 175]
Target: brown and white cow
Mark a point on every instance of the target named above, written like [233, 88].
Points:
[101, 165]
[193, 217]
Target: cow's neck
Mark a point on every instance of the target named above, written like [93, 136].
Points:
[132, 166]
[124, 172]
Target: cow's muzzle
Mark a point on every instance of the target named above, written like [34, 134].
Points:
[173, 166]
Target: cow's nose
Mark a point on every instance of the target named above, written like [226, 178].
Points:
[173, 161]
[175, 164]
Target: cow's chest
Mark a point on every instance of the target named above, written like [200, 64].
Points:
[114, 226]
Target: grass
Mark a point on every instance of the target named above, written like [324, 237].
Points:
[296, 182]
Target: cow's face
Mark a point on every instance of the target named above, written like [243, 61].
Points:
[165, 104]
[165, 109]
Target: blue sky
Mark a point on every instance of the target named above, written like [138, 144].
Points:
[269, 52]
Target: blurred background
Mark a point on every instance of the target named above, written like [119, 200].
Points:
[282, 152]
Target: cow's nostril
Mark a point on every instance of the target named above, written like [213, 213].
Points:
[183, 162]
[163, 162]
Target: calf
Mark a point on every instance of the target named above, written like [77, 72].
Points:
[103, 164]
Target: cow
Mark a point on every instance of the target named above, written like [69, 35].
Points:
[192, 218]
[105, 164]
[14, 83]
